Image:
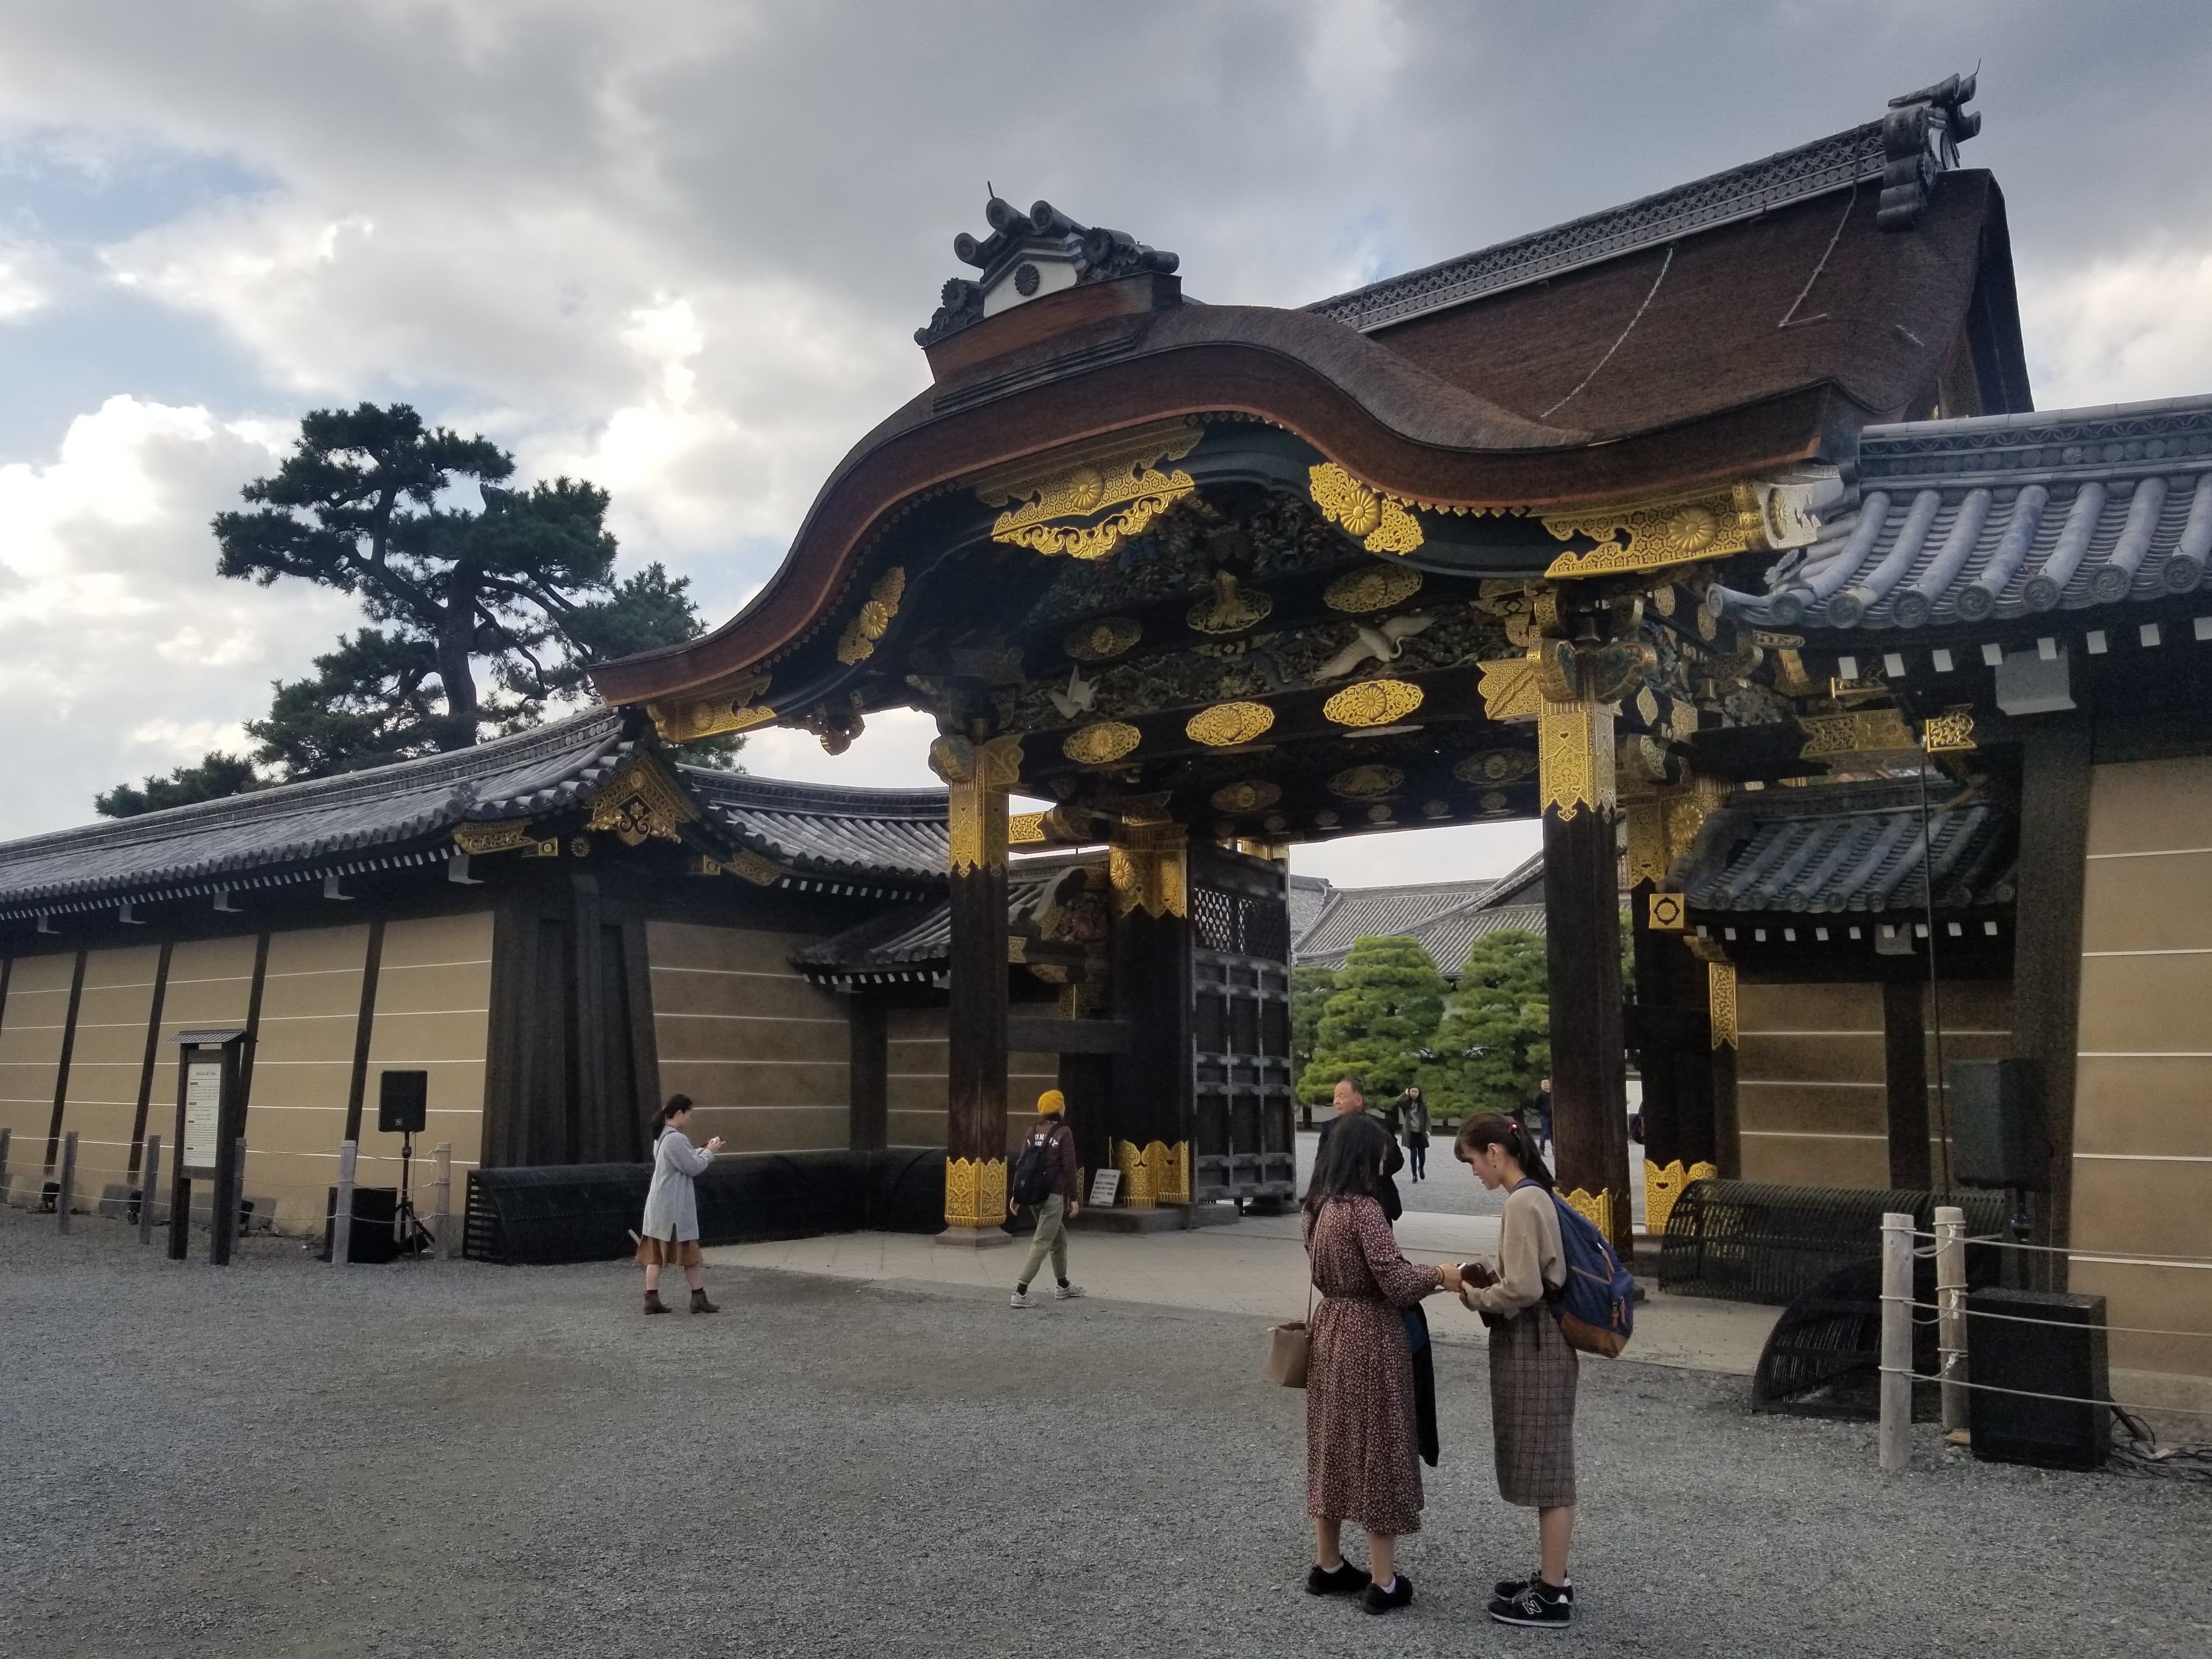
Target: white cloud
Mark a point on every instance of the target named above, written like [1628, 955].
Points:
[121, 651]
[2132, 326]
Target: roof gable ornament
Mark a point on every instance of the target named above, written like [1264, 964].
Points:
[1921, 133]
[1029, 255]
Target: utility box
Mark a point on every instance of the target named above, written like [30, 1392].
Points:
[2040, 1344]
[1996, 1125]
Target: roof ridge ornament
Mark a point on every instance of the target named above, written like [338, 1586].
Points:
[1921, 133]
[1028, 255]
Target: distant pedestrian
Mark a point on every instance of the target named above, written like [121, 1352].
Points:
[1048, 1179]
[669, 1232]
[1533, 1371]
[1362, 1446]
[1413, 1113]
[1538, 1118]
[1349, 1102]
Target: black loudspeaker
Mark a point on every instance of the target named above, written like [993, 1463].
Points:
[2044, 1344]
[403, 1103]
[1996, 1125]
[374, 1209]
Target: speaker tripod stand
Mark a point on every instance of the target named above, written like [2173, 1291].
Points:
[409, 1235]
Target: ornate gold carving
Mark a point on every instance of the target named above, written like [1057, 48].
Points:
[1024, 829]
[1248, 795]
[1374, 588]
[1654, 533]
[729, 708]
[1100, 641]
[1665, 912]
[1148, 867]
[1863, 731]
[857, 641]
[505, 835]
[639, 802]
[1662, 1187]
[1121, 470]
[1368, 782]
[1720, 1001]
[763, 872]
[1574, 757]
[1232, 610]
[1372, 702]
[974, 1192]
[1595, 1207]
[1227, 724]
[1495, 766]
[1153, 1175]
[579, 846]
[1950, 732]
[977, 776]
[1100, 742]
[1509, 689]
[1379, 522]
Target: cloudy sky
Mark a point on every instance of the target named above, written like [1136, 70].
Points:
[679, 247]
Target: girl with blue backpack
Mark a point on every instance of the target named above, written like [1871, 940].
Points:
[1533, 1368]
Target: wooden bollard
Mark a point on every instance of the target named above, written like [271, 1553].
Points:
[149, 1183]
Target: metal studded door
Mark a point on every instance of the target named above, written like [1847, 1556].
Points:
[1243, 1146]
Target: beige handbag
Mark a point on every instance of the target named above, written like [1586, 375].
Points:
[1288, 1346]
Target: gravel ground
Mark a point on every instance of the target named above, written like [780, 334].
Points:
[448, 1459]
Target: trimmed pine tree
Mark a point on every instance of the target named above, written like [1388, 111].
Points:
[1378, 1022]
[1493, 1045]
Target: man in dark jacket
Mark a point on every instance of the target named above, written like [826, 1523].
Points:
[1351, 1102]
[1057, 1141]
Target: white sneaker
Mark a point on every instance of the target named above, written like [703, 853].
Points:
[1021, 1299]
[1066, 1292]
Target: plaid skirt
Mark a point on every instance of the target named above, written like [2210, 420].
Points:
[1532, 1409]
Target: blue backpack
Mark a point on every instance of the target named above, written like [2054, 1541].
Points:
[1596, 1307]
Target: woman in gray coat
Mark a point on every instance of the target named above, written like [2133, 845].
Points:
[671, 1230]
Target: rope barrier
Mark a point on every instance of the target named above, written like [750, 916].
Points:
[2031, 1394]
[2169, 1259]
[2063, 1324]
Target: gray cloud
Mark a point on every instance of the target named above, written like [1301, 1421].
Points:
[681, 247]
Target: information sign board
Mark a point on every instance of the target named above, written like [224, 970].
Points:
[1105, 1187]
[202, 1151]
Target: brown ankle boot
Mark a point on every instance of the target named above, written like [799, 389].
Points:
[699, 1305]
[653, 1304]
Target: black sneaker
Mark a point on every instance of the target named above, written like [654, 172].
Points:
[1342, 1579]
[1506, 1589]
[1378, 1600]
[1536, 1604]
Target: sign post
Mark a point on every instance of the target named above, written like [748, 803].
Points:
[210, 1119]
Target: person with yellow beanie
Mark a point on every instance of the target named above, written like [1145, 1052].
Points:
[1047, 1180]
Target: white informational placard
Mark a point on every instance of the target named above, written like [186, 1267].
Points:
[203, 1115]
[1105, 1187]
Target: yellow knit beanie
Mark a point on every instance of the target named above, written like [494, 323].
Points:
[1051, 1104]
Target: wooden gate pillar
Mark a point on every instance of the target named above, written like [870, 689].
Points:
[1581, 916]
[1150, 1119]
[978, 776]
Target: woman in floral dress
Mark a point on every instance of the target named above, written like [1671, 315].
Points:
[1361, 1460]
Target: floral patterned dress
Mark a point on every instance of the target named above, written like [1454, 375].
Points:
[1362, 1458]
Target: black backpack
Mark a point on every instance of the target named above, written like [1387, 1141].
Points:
[1032, 1181]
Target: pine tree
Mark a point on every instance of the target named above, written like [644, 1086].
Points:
[1379, 1022]
[216, 775]
[1494, 1043]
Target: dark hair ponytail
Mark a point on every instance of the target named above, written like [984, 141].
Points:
[1495, 1129]
[676, 1103]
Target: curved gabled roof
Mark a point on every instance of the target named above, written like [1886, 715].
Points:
[327, 825]
[823, 829]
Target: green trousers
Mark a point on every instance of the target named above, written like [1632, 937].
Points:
[1051, 1234]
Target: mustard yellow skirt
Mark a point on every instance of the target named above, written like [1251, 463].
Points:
[668, 1252]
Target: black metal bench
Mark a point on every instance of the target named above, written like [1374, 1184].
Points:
[1759, 1242]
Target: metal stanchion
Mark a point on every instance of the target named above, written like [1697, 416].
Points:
[1896, 1340]
[67, 1196]
[443, 1213]
[5, 1135]
[1951, 1312]
[341, 1209]
[149, 1183]
[236, 1219]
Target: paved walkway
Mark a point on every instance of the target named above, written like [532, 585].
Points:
[1254, 1267]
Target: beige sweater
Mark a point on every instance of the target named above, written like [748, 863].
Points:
[1529, 1255]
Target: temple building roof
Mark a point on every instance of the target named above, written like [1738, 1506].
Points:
[914, 941]
[2005, 517]
[421, 811]
[1849, 847]
[1446, 917]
